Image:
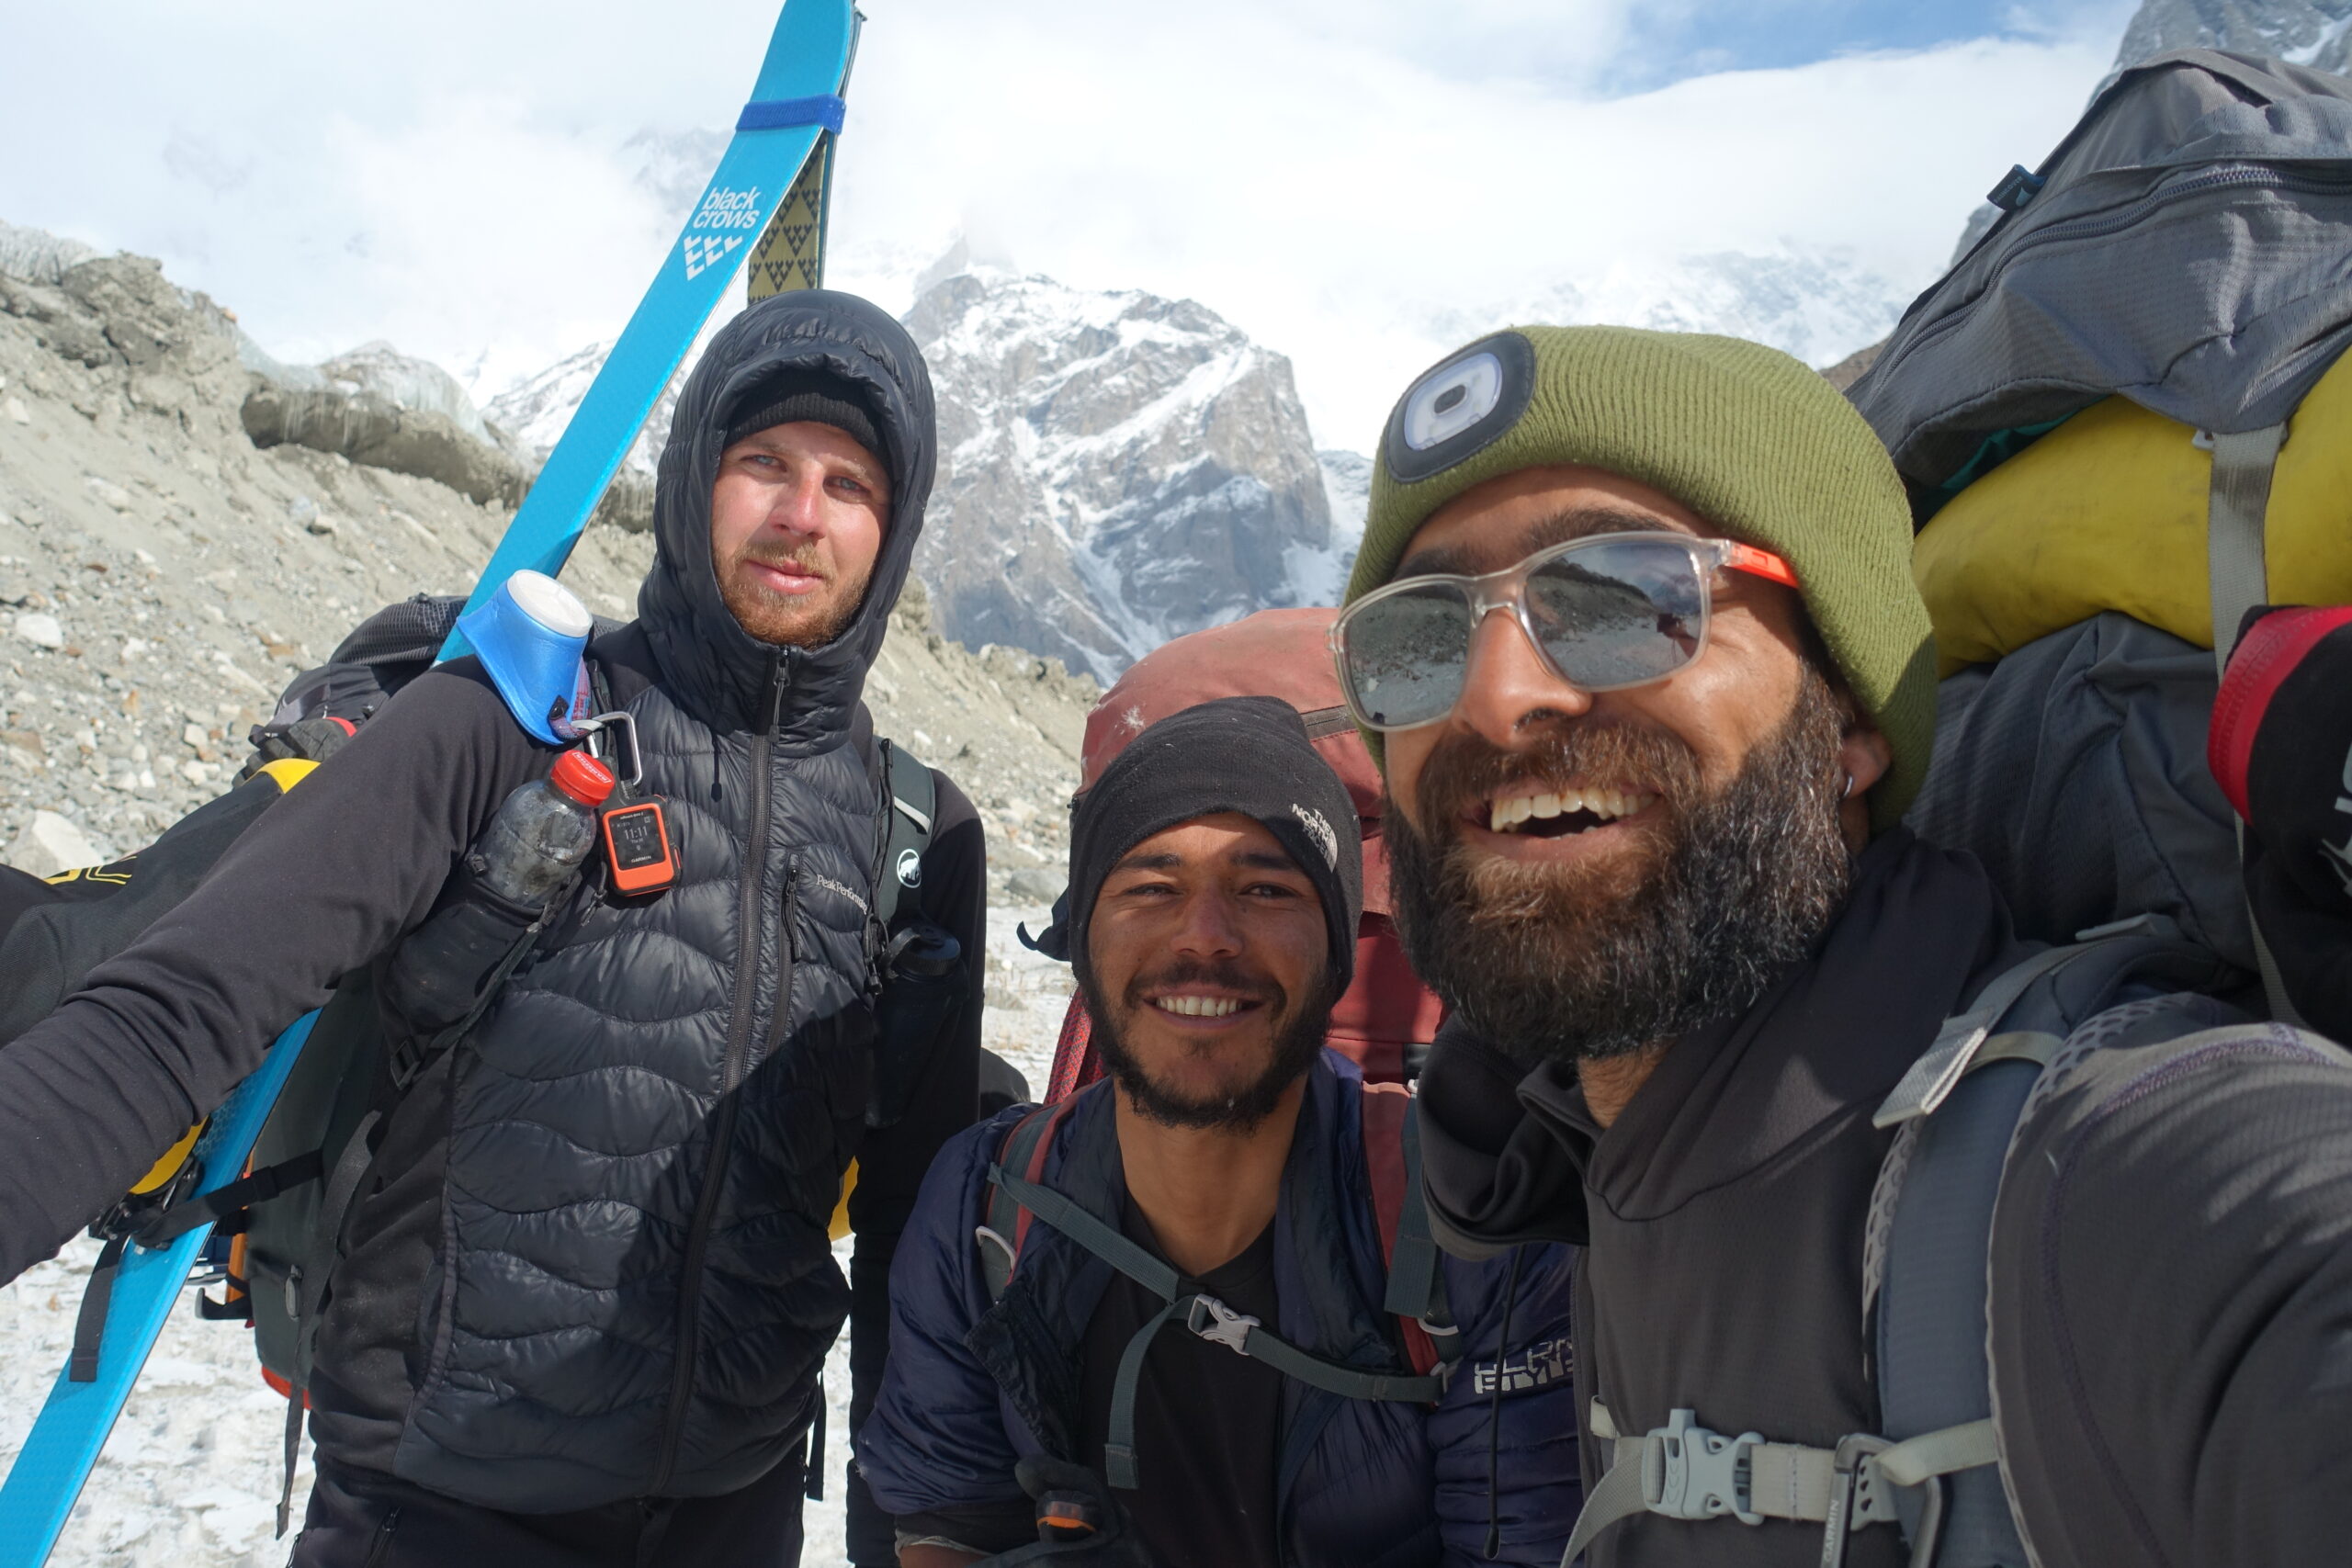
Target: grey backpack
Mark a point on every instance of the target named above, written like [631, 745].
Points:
[2183, 246]
[2188, 246]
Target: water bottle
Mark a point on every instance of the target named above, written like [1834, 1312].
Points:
[543, 831]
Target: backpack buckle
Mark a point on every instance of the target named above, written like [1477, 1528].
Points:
[1219, 1324]
[1690, 1472]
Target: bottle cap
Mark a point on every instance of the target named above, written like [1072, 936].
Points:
[582, 778]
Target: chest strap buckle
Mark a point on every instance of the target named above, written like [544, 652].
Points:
[1219, 1324]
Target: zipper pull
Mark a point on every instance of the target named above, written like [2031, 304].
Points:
[775, 690]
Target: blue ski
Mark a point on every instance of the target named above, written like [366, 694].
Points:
[65, 1442]
[795, 105]
[796, 102]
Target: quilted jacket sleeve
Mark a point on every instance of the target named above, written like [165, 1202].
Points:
[1505, 1434]
[936, 1441]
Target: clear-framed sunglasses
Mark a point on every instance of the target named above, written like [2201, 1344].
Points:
[1606, 611]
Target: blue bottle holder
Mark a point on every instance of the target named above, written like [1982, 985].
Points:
[531, 635]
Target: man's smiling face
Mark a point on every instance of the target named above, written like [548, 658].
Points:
[1207, 956]
[1584, 873]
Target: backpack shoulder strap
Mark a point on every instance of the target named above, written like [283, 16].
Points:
[1007, 1222]
[1016, 1199]
[912, 793]
[1930, 1221]
[1416, 1291]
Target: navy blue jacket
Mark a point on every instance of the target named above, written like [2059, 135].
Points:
[974, 1387]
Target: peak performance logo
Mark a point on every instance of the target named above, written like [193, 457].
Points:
[726, 219]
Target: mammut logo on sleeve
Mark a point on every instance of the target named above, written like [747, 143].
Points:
[1542, 1364]
[1320, 830]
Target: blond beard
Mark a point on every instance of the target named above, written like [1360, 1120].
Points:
[783, 620]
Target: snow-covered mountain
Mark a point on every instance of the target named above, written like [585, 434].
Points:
[1115, 468]
[1118, 468]
[2317, 33]
[534, 409]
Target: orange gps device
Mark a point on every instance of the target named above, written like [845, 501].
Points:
[637, 848]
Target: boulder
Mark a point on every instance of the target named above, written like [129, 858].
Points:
[50, 844]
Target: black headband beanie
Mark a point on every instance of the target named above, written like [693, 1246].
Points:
[1248, 755]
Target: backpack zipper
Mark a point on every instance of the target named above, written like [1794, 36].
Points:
[739, 1053]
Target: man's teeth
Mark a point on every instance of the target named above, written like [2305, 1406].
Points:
[1505, 813]
[1197, 1006]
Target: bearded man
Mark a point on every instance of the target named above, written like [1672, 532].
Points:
[1634, 626]
[1233, 1185]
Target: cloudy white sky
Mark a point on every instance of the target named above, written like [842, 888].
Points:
[1356, 183]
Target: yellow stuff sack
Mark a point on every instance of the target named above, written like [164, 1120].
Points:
[2108, 513]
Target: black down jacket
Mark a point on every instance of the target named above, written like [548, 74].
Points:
[592, 1261]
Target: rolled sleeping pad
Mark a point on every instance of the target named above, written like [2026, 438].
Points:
[2107, 512]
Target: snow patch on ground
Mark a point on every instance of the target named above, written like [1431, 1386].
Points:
[191, 1472]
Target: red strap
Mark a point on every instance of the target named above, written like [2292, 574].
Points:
[1076, 1062]
[2273, 647]
[1385, 1106]
[1047, 1121]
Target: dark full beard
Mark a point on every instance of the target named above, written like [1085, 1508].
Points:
[1554, 963]
[1299, 1036]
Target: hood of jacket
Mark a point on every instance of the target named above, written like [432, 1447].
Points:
[720, 674]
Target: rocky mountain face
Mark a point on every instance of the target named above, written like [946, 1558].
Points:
[2317, 33]
[1116, 470]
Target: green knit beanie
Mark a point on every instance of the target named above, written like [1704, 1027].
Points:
[1743, 436]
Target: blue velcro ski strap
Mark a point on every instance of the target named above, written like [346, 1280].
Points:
[784, 114]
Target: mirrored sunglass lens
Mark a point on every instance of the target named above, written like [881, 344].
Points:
[1617, 614]
[1404, 656]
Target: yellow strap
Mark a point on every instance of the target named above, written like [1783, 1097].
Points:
[169, 1166]
[287, 772]
[839, 1227]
